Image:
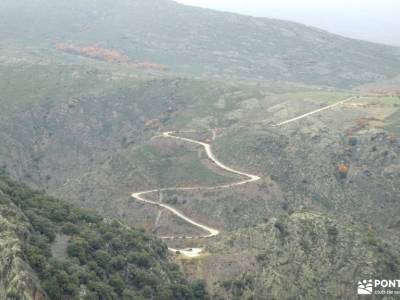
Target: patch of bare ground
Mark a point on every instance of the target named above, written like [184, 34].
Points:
[60, 245]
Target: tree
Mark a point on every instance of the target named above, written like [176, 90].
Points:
[52, 288]
[70, 229]
[118, 263]
[142, 260]
[103, 259]
[103, 290]
[78, 248]
[117, 283]
[199, 290]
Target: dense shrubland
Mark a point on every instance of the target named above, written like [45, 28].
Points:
[103, 260]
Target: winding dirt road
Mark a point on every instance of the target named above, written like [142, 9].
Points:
[315, 111]
[210, 232]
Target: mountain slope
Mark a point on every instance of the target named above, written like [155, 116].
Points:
[81, 121]
[305, 255]
[17, 280]
[84, 130]
[86, 133]
[304, 160]
[200, 41]
[77, 254]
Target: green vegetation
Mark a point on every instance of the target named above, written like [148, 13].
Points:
[104, 260]
[17, 281]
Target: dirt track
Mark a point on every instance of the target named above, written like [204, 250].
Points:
[210, 231]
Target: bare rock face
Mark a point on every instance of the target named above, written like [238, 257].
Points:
[17, 280]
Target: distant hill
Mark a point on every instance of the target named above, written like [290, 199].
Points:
[199, 41]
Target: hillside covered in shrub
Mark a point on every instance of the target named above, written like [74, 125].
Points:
[102, 259]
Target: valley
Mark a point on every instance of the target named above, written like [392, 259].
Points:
[196, 252]
[97, 145]
[150, 150]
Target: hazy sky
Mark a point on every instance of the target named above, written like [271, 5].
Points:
[377, 20]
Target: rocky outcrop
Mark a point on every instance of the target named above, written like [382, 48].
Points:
[17, 280]
[302, 256]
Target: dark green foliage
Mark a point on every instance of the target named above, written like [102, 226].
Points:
[106, 260]
[239, 285]
[199, 290]
[333, 234]
[70, 229]
[282, 230]
[140, 259]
